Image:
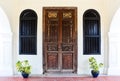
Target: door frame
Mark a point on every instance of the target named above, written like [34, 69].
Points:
[43, 30]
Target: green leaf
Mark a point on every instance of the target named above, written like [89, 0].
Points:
[94, 65]
[23, 66]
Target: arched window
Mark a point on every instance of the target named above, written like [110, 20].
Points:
[91, 32]
[28, 32]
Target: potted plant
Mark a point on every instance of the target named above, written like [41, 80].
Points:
[94, 66]
[24, 67]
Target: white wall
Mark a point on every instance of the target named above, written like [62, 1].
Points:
[15, 7]
[82, 6]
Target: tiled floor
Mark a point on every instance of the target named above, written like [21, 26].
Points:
[100, 78]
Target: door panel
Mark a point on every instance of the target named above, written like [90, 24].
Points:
[67, 39]
[60, 44]
[52, 60]
[67, 61]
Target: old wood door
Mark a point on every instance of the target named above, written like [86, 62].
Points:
[60, 39]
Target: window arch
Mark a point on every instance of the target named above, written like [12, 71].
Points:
[28, 32]
[91, 32]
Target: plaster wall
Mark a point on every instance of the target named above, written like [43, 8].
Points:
[82, 6]
[106, 9]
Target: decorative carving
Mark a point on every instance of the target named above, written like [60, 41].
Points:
[52, 33]
[67, 61]
[52, 61]
[67, 47]
[52, 48]
[67, 35]
[67, 15]
[65, 21]
[52, 14]
[53, 21]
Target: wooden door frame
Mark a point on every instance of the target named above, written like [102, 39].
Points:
[43, 28]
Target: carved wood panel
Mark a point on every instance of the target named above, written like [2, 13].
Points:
[60, 39]
[67, 61]
[52, 60]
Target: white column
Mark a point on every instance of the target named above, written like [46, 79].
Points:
[1, 52]
[114, 45]
[5, 55]
[114, 54]
[5, 46]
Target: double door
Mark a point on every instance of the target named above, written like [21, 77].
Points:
[59, 39]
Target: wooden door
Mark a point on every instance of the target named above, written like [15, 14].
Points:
[60, 39]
